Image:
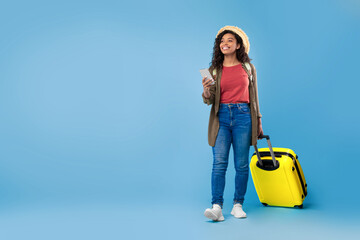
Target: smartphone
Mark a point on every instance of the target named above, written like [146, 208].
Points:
[205, 73]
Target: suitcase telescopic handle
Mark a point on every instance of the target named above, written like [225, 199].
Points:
[270, 148]
[264, 136]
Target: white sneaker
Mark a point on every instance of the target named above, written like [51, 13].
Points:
[214, 213]
[237, 211]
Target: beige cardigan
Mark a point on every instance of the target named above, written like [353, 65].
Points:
[215, 101]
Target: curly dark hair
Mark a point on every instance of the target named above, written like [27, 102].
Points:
[218, 56]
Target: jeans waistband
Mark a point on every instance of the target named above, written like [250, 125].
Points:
[234, 104]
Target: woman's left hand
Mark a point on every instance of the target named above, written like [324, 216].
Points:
[260, 130]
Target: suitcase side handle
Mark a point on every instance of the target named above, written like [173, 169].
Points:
[270, 148]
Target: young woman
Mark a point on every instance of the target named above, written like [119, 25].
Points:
[235, 117]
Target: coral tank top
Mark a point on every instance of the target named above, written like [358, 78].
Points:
[234, 85]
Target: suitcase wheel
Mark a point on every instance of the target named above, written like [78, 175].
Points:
[265, 204]
[299, 206]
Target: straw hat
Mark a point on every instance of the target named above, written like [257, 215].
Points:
[240, 33]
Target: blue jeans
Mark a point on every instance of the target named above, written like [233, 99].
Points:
[235, 129]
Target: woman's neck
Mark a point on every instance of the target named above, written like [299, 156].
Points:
[230, 60]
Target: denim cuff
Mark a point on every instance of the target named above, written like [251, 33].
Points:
[220, 204]
[235, 202]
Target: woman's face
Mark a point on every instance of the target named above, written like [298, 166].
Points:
[228, 44]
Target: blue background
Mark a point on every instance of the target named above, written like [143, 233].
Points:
[103, 133]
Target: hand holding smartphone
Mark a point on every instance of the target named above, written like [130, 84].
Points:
[206, 74]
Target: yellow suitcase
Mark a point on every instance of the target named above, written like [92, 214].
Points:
[278, 177]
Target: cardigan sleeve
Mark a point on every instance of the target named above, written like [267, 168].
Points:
[256, 91]
[211, 99]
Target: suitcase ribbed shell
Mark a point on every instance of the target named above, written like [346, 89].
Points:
[284, 186]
